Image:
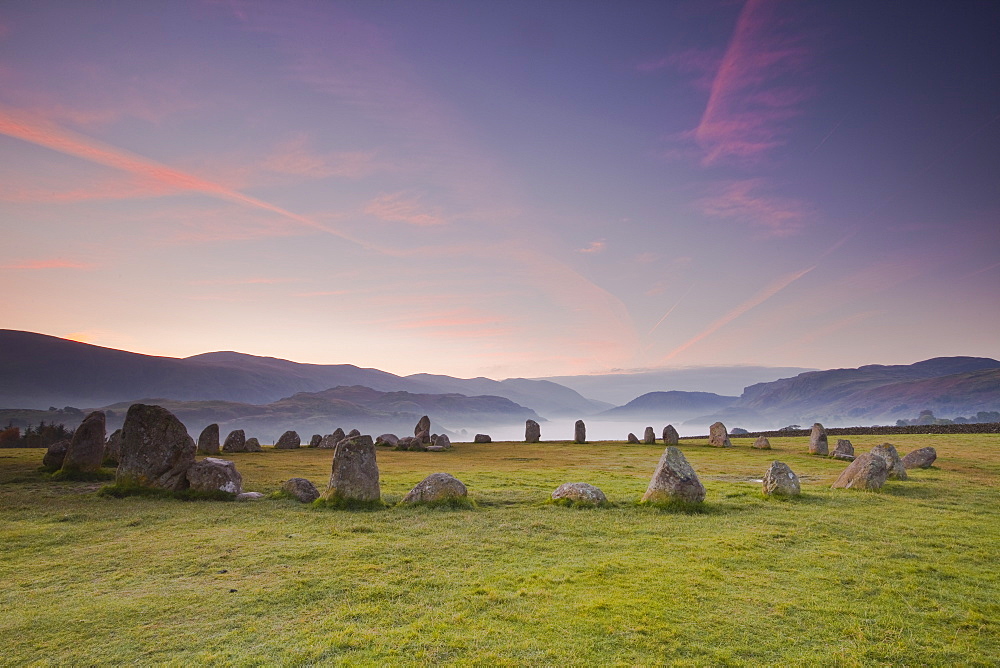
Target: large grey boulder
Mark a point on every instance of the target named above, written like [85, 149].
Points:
[762, 443]
[818, 444]
[86, 449]
[482, 438]
[718, 436]
[113, 448]
[156, 449]
[55, 454]
[289, 441]
[235, 442]
[670, 435]
[632, 438]
[532, 432]
[301, 490]
[780, 480]
[579, 432]
[580, 493]
[215, 475]
[442, 441]
[387, 439]
[649, 436]
[866, 472]
[844, 450]
[920, 459]
[674, 480]
[252, 445]
[887, 451]
[315, 440]
[208, 440]
[354, 474]
[423, 425]
[437, 488]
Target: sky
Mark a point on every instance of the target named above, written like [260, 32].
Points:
[517, 188]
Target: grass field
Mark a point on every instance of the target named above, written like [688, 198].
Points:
[910, 575]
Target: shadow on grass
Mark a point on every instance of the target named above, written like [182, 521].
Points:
[124, 490]
[579, 505]
[682, 507]
[908, 489]
[337, 502]
[82, 476]
[461, 503]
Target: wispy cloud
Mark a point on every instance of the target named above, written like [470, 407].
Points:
[404, 207]
[295, 157]
[747, 201]
[750, 102]
[593, 247]
[758, 299]
[49, 263]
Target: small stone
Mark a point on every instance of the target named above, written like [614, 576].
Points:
[761, 443]
[718, 436]
[211, 475]
[482, 438]
[649, 436]
[532, 432]
[818, 444]
[866, 472]
[86, 449]
[387, 439]
[670, 435]
[437, 487]
[54, 455]
[252, 445]
[443, 441]
[580, 432]
[844, 447]
[920, 459]
[430, 448]
[315, 440]
[843, 457]
[208, 440]
[887, 451]
[674, 480]
[580, 492]
[249, 496]
[780, 480]
[632, 438]
[235, 442]
[289, 441]
[301, 489]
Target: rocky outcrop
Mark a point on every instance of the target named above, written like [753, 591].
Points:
[532, 432]
[780, 480]
[208, 440]
[579, 432]
[437, 488]
[718, 436]
[920, 459]
[674, 480]
[300, 489]
[866, 472]
[818, 444]
[354, 474]
[235, 442]
[894, 465]
[580, 493]
[156, 449]
[670, 435]
[215, 475]
[86, 449]
[289, 441]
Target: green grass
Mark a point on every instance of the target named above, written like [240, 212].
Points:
[907, 576]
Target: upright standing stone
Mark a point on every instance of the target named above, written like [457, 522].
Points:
[580, 432]
[649, 436]
[670, 435]
[866, 472]
[208, 441]
[315, 440]
[423, 425]
[156, 449]
[894, 465]
[252, 445]
[632, 438]
[289, 441]
[718, 436]
[761, 443]
[86, 448]
[818, 445]
[674, 480]
[779, 480]
[235, 442]
[920, 459]
[113, 448]
[354, 476]
[844, 450]
[532, 432]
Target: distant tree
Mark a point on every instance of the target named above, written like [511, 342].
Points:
[738, 430]
[10, 437]
[791, 427]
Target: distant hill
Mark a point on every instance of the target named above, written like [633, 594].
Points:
[670, 406]
[38, 371]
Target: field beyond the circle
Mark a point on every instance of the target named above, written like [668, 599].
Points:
[905, 576]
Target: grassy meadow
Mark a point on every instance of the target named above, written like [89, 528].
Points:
[910, 575]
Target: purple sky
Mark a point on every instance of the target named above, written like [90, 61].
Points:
[505, 188]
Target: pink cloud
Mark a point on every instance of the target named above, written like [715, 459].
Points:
[749, 103]
[294, 157]
[402, 207]
[593, 247]
[49, 263]
[746, 201]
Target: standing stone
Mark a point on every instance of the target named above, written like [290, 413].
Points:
[920, 459]
[252, 445]
[632, 438]
[761, 443]
[354, 476]
[887, 451]
[649, 436]
[423, 438]
[113, 448]
[818, 444]
[289, 441]
[156, 449]
[300, 489]
[867, 472]
[423, 425]
[670, 435]
[352, 433]
[55, 454]
[482, 438]
[330, 442]
[417, 445]
[437, 487]
[532, 432]
[208, 441]
[718, 436]
[235, 442]
[780, 480]
[844, 450]
[86, 448]
[580, 492]
[580, 432]
[387, 439]
[443, 441]
[403, 444]
[315, 440]
[674, 480]
[215, 475]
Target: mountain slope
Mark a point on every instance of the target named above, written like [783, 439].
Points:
[672, 405]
